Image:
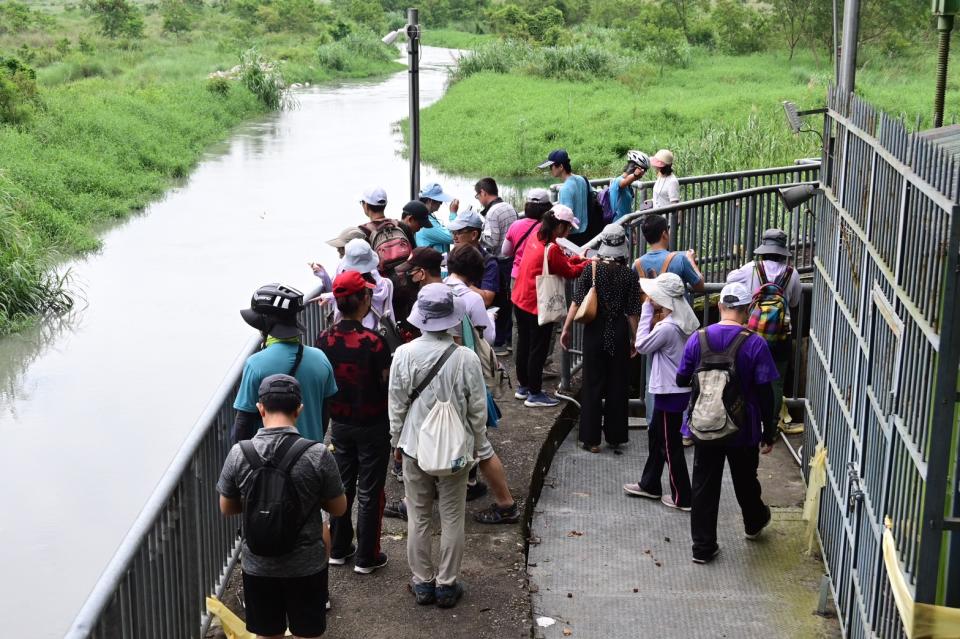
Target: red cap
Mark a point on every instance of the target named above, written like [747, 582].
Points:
[350, 282]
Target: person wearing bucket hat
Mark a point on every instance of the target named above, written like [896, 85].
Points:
[666, 190]
[621, 189]
[273, 311]
[664, 342]
[458, 380]
[776, 284]
[604, 396]
[533, 339]
[755, 372]
[358, 256]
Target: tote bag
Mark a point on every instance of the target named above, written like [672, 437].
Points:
[587, 312]
[551, 294]
[442, 447]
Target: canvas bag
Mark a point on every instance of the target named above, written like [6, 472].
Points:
[717, 408]
[551, 294]
[587, 312]
[442, 447]
[768, 311]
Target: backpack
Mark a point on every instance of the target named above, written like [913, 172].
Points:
[272, 512]
[595, 214]
[768, 311]
[488, 359]
[717, 408]
[390, 243]
[442, 441]
[606, 204]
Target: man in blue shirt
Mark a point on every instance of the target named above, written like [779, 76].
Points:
[273, 311]
[573, 191]
[659, 258]
[436, 237]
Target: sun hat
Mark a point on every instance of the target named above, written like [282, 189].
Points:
[279, 384]
[435, 192]
[565, 214]
[613, 242]
[350, 282]
[468, 219]
[774, 242]
[418, 211]
[662, 158]
[422, 257]
[437, 309]
[557, 156]
[358, 256]
[735, 295]
[538, 196]
[347, 234]
[375, 195]
[668, 291]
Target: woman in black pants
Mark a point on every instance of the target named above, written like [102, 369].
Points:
[607, 341]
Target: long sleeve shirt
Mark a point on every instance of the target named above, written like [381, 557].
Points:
[382, 303]
[525, 288]
[665, 342]
[497, 220]
[459, 381]
[437, 237]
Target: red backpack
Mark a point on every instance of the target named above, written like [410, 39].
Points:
[390, 243]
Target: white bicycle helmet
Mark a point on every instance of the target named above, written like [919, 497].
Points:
[639, 158]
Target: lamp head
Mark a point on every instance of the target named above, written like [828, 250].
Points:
[793, 118]
[391, 37]
[794, 196]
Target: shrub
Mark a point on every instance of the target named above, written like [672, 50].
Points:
[264, 80]
[511, 21]
[18, 91]
[578, 62]
[218, 85]
[177, 16]
[116, 18]
[17, 17]
[63, 46]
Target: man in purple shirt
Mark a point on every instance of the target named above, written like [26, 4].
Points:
[755, 370]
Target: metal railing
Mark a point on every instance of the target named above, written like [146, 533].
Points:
[180, 548]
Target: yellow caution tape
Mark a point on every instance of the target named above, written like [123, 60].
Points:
[811, 504]
[232, 625]
[920, 621]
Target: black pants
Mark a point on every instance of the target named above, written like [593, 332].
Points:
[707, 476]
[502, 300]
[666, 447]
[533, 344]
[604, 378]
[362, 453]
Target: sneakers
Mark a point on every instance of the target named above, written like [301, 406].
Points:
[667, 500]
[540, 400]
[396, 509]
[379, 562]
[448, 596]
[636, 491]
[339, 561]
[494, 514]
[754, 535]
[476, 491]
[397, 470]
[706, 559]
[522, 392]
[425, 593]
[502, 351]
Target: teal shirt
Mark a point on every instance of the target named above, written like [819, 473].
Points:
[315, 375]
[621, 199]
[573, 193]
[437, 238]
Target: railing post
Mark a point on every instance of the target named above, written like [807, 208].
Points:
[750, 232]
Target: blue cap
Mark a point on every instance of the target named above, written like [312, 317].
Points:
[468, 219]
[434, 192]
[558, 156]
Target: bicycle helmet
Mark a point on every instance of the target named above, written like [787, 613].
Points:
[639, 158]
[273, 310]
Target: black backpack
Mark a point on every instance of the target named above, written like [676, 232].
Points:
[595, 221]
[272, 513]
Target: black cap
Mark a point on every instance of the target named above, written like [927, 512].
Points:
[282, 385]
[422, 257]
[418, 211]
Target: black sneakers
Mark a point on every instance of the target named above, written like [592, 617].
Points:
[365, 569]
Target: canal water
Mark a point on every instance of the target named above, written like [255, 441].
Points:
[94, 406]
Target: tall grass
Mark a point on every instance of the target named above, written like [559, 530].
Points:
[355, 53]
[576, 62]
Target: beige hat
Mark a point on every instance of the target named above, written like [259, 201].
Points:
[668, 291]
[662, 158]
[347, 234]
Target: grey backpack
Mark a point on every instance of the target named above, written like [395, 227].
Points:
[717, 408]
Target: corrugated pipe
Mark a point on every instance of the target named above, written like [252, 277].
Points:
[944, 27]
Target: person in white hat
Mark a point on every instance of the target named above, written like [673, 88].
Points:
[755, 372]
[664, 342]
[666, 190]
[358, 256]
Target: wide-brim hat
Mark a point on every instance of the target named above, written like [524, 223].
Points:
[613, 242]
[273, 325]
[668, 291]
[347, 234]
[774, 242]
[437, 309]
[358, 256]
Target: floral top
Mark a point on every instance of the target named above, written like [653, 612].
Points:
[618, 294]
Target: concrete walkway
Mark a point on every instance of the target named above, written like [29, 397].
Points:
[608, 565]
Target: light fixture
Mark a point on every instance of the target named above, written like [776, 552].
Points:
[794, 196]
[794, 120]
[412, 31]
[391, 37]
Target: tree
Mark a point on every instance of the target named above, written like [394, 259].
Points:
[685, 11]
[511, 21]
[741, 28]
[793, 18]
[543, 21]
[177, 16]
[116, 18]
[18, 91]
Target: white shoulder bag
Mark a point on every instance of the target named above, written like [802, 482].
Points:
[551, 294]
[442, 447]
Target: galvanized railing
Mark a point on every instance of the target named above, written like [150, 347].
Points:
[180, 549]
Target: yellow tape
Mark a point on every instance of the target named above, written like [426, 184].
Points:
[920, 621]
[232, 625]
[811, 504]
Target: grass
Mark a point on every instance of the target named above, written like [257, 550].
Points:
[118, 122]
[453, 39]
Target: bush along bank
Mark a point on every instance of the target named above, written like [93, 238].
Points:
[93, 127]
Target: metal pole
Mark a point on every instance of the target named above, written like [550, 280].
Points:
[836, 46]
[944, 27]
[848, 59]
[413, 59]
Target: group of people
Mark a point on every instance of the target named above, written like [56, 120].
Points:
[408, 373]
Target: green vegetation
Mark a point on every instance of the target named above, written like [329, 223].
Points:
[453, 39]
[96, 120]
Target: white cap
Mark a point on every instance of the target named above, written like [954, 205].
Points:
[375, 195]
[735, 295]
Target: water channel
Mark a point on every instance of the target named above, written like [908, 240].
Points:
[94, 406]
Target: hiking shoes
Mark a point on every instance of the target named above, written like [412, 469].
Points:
[753, 536]
[476, 491]
[448, 596]
[707, 558]
[494, 514]
[396, 509]
[667, 500]
[636, 491]
[339, 561]
[522, 392]
[425, 593]
[366, 568]
[540, 400]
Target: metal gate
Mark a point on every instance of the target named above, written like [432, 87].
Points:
[883, 358]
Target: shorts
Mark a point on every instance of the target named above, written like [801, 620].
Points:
[275, 603]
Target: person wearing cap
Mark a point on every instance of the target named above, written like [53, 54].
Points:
[467, 229]
[771, 265]
[339, 243]
[415, 216]
[273, 311]
[621, 189]
[756, 371]
[290, 590]
[359, 425]
[666, 190]
[533, 339]
[358, 256]
[458, 381]
[573, 192]
[537, 203]
[664, 342]
[436, 237]
[606, 341]
[498, 217]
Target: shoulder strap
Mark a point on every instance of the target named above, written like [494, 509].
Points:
[738, 341]
[253, 457]
[432, 373]
[292, 453]
[666, 262]
[638, 267]
[546, 262]
[761, 272]
[297, 360]
[784, 278]
[704, 344]
[594, 279]
[468, 336]
[526, 235]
